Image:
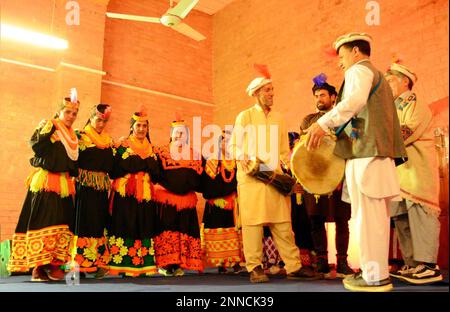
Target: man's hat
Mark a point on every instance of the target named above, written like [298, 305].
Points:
[320, 82]
[404, 70]
[350, 38]
[261, 81]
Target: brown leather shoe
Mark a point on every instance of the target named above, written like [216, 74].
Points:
[258, 275]
[38, 275]
[305, 273]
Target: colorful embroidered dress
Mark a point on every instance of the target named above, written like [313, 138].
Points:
[92, 189]
[178, 239]
[45, 227]
[222, 241]
[133, 223]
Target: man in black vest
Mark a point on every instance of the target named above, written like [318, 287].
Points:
[371, 142]
[327, 208]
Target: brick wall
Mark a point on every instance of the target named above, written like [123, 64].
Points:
[156, 58]
[292, 38]
[28, 95]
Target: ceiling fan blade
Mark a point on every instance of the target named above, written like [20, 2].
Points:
[133, 17]
[188, 31]
[183, 8]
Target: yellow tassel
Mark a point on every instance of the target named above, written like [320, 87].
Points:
[122, 183]
[298, 198]
[220, 203]
[64, 186]
[38, 180]
[317, 198]
[147, 194]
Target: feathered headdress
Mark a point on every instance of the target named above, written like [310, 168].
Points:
[106, 113]
[320, 79]
[263, 70]
[261, 81]
[71, 101]
[398, 67]
[320, 82]
[141, 114]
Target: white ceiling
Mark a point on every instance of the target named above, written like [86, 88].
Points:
[211, 6]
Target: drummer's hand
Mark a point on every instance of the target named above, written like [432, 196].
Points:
[315, 135]
[245, 163]
[298, 189]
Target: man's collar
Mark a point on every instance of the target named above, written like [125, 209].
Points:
[363, 60]
[405, 94]
[258, 107]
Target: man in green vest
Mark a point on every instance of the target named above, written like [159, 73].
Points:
[369, 138]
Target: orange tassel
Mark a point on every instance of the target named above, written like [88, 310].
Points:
[140, 186]
[186, 201]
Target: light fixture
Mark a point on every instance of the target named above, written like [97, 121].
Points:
[32, 37]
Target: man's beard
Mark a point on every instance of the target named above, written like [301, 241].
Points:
[322, 106]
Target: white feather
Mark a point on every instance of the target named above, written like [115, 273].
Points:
[73, 95]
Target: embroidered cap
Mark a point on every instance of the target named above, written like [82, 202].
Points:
[261, 81]
[404, 70]
[350, 38]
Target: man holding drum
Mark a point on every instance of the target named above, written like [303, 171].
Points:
[257, 130]
[372, 144]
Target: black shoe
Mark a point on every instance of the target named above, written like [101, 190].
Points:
[356, 282]
[221, 270]
[305, 273]
[323, 268]
[343, 269]
[257, 275]
[422, 274]
[237, 269]
[398, 273]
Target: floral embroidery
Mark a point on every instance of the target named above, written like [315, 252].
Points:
[91, 253]
[39, 247]
[169, 163]
[132, 256]
[406, 132]
[178, 248]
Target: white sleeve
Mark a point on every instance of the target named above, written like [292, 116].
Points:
[358, 83]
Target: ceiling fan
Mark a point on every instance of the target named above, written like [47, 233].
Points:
[172, 18]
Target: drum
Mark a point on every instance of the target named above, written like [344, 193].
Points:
[319, 171]
[281, 182]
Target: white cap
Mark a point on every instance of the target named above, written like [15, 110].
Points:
[404, 70]
[256, 84]
[350, 38]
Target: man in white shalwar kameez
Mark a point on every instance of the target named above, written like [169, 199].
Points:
[372, 145]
